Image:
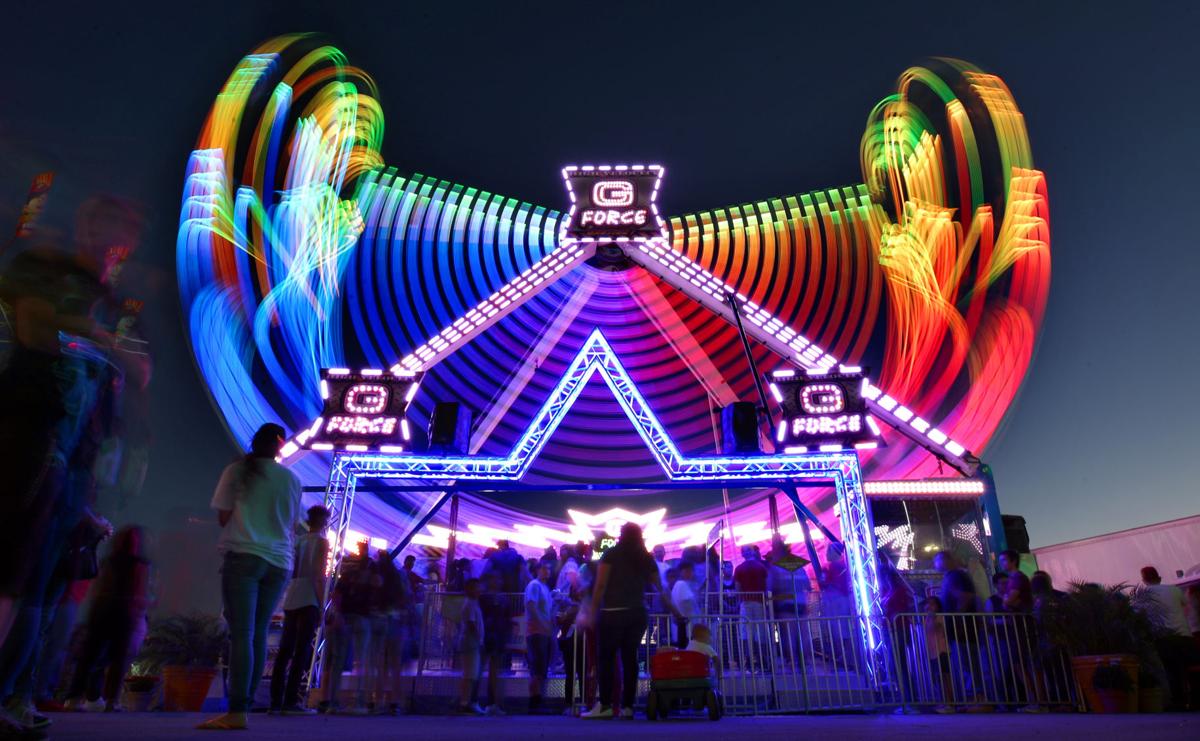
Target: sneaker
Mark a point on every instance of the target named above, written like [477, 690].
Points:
[28, 716]
[598, 712]
[11, 729]
[76, 705]
[569, 711]
[626, 713]
[906, 710]
[494, 710]
[944, 710]
[114, 708]
[296, 710]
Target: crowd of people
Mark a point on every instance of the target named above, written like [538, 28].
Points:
[72, 423]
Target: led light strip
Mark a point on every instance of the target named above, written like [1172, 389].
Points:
[493, 308]
[928, 486]
[703, 286]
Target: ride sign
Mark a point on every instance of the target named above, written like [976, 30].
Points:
[613, 203]
[824, 411]
[363, 411]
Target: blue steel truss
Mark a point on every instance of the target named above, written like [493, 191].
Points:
[839, 468]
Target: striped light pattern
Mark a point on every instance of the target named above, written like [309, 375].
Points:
[299, 250]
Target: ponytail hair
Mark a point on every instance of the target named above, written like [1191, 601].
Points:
[264, 446]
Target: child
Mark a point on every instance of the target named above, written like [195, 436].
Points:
[470, 639]
[119, 601]
[938, 649]
[702, 643]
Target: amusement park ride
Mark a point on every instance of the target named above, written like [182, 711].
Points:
[294, 234]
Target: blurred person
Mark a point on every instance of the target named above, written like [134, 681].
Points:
[789, 589]
[566, 611]
[497, 631]
[937, 648]
[65, 362]
[397, 642]
[660, 560]
[358, 585]
[119, 601]
[621, 580]
[258, 506]
[539, 614]
[57, 641]
[789, 596]
[701, 642]
[416, 607]
[750, 583]
[836, 595]
[995, 601]
[750, 580]
[302, 604]
[568, 569]
[509, 565]
[1017, 597]
[687, 603]
[470, 644]
[958, 596]
[1193, 609]
[1166, 608]
[1049, 583]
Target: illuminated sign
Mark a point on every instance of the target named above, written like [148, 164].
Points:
[363, 411]
[822, 411]
[613, 203]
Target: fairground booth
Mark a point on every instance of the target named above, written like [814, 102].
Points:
[459, 367]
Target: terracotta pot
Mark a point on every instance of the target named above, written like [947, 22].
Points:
[139, 702]
[185, 687]
[1105, 700]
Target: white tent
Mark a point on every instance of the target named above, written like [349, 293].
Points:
[1172, 547]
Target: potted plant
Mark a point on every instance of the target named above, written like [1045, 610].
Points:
[141, 689]
[1107, 637]
[187, 650]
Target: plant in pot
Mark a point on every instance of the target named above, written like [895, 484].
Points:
[187, 650]
[141, 687]
[1108, 638]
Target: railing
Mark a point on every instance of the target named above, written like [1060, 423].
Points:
[979, 660]
[816, 664]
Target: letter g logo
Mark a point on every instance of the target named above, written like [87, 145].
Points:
[613, 193]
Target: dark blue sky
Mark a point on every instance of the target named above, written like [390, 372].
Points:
[741, 101]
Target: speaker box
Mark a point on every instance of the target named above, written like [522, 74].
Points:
[1015, 533]
[739, 428]
[449, 428]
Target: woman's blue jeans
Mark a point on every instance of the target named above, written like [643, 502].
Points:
[250, 588]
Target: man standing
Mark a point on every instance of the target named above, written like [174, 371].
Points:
[301, 614]
[508, 563]
[1167, 610]
[539, 614]
[1019, 597]
[750, 578]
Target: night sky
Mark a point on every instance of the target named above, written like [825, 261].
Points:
[741, 101]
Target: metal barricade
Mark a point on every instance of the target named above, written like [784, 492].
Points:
[981, 661]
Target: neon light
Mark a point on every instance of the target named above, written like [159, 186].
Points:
[822, 398]
[366, 398]
[927, 486]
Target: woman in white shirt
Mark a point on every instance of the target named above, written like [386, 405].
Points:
[258, 504]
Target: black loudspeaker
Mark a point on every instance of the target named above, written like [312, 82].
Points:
[449, 428]
[739, 428]
[1015, 533]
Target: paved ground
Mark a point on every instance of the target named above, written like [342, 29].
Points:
[1010, 727]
